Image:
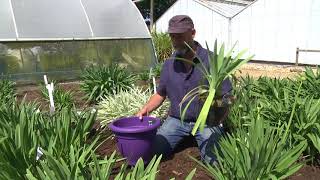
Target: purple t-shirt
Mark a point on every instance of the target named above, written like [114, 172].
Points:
[176, 82]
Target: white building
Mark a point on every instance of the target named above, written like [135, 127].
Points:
[270, 29]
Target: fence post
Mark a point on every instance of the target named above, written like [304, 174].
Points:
[297, 56]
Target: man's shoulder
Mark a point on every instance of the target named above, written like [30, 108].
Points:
[202, 53]
[169, 60]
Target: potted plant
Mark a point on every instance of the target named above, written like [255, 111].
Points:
[221, 67]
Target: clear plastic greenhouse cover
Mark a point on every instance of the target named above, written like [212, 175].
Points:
[70, 19]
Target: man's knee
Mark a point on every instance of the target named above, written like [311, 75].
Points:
[161, 146]
[207, 148]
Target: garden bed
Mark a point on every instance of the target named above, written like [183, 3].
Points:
[180, 165]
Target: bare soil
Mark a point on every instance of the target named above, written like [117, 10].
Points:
[180, 165]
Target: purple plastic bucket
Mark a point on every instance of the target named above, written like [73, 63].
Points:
[134, 137]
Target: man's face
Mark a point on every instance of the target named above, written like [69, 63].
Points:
[178, 40]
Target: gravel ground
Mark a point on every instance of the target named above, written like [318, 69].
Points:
[270, 70]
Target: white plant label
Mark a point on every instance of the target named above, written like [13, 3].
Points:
[39, 153]
[50, 89]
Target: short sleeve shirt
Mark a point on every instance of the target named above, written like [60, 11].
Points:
[176, 81]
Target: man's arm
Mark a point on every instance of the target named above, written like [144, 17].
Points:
[154, 102]
[157, 99]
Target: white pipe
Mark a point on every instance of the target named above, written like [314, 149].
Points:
[154, 85]
[150, 73]
[14, 20]
[229, 45]
[87, 18]
[45, 79]
[50, 89]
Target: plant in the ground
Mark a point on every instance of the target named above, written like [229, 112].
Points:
[276, 94]
[63, 139]
[152, 72]
[7, 93]
[56, 168]
[18, 140]
[145, 75]
[98, 82]
[23, 131]
[277, 97]
[157, 70]
[275, 87]
[221, 67]
[65, 128]
[61, 98]
[258, 151]
[312, 83]
[163, 46]
[241, 107]
[141, 172]
[306, 126]
[127, 103]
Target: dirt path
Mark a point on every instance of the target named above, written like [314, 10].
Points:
[270, 70]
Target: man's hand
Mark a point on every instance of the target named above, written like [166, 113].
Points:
[142, 112]
[224, 101]
[154, 102]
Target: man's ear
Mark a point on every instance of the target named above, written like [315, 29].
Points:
[193, 33]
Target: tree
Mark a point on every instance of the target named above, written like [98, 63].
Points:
[160, 6]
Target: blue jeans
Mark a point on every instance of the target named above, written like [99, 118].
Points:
[173, 130]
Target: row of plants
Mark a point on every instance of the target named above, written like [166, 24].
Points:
[63, 138]
[278, 97]
[274, 123]
[39, 145]
[25, 132]
[273, 128]
[263, 122]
